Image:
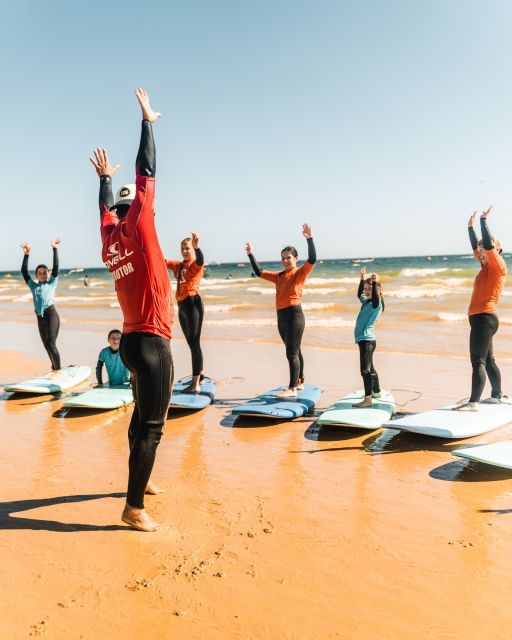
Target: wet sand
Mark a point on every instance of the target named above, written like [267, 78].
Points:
[278, 529]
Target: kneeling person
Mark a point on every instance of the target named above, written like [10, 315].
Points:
[117, 373]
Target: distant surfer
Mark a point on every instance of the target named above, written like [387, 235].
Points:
[290, 317]
[132, 253]
[369, 293]
[86, 280]
[483, 320]
[188, 273]
[43, 291]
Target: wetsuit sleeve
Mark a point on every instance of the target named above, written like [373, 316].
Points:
[199, 257]
[472, 238]
[24, 269]
[375, 295]
[254, 264]
[360, 289]
[486, 235]
[173, 265]
[99, 367]
[311, 251]
[145, 164]
[106, 197]
[55, 267]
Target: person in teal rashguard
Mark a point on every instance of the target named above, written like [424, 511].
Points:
[43, 291]
[109, 356]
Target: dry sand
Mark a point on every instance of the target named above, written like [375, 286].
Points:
[279, 530]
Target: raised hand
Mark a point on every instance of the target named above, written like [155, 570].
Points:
[486, 213]
[101, 163]
[26, 248]
[147, 111]
[248, 248]
[363, 273]
[307, 232]
[471, 221]
[195, 240]
[55, 243]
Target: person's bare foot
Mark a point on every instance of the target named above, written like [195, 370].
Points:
[152, 489]
[53, 374]
[287, 393]
[192, 389]
[367, 402]
[140, 520]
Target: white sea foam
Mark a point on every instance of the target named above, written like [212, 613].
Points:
[224, 308]
[314, 323]
[416, 292]
[264, 291]
[346, 280]
[318, 306]
[422, 273]
[452, 317]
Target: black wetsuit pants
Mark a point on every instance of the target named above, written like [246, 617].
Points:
[49, 324]
[368, 373]
[291, 323]
[149, 359]
[483, 328]
[191, 312]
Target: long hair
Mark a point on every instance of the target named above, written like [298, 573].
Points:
[379, 289]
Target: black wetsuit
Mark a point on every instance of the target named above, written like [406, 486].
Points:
[290, 324]
[48, 322]
[148, 358]
[483, 327]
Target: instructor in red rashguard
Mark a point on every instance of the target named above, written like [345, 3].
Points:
[132, 253]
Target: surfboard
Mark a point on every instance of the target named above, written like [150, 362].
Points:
[445, 423]
[268, 405]
[344, 414]
[65, 379]
[499, 454]
[192, 401]
[102, 398]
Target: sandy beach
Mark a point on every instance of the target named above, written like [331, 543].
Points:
[278, 529]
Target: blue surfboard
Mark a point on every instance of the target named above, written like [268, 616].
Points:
[192, 401]
[268, 405]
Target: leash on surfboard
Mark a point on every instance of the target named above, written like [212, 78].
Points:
[404, 404]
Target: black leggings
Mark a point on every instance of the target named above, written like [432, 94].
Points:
[370, 377]
[483, 328]
[191, 312]
[49, 324]
[291, 323]
[149, 359]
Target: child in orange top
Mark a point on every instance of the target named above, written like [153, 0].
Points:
[188, 273]
[482, 317]
[290, 317]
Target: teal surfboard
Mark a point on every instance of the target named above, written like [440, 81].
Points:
[497, 454]
[344, 414]
[268, 405]
[102, 398]
[65, 379]
[192, 401]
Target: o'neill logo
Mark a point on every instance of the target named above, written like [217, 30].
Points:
[118, 255]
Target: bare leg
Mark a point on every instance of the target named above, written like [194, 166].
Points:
[194, 386]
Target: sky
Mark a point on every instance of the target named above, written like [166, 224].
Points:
[384, 124]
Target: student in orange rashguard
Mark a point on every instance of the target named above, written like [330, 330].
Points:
[188, 273]
[482, 314]
[290, 317]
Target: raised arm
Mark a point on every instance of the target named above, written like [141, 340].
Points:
[55, 267]
[145, 164]
[471, 230]
[486, 234]
[307, 232]
[375, 291]
[24, 265]
[360, 288]
[254, 264]
[199, 253]
[105, 172]
[99, 376]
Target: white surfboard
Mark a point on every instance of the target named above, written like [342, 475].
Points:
[344, 414]
[65, 379]
[499, 454]
[445, 423]
[102, 398]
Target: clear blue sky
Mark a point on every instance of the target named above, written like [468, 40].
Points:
[382, 123]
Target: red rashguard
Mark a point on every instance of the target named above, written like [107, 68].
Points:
[132, 254]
